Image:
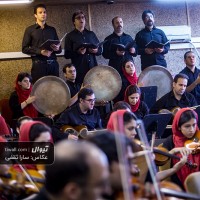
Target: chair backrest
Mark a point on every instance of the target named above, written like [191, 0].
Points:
[192, 183]
[149, 95]
[6, 111]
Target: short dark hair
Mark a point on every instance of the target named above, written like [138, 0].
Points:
[107, 143]
[37, 129]
[180, 75]
[121, 105]
[84, 92]
[114, 19]
[78, 12]
[39, 6]
[132, 89]
[145, 12]
[186, 116]
[22, 75]
[68, 65]
[186, 53]
[19, 120]
[62, 171]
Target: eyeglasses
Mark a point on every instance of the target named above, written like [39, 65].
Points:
[90, 100]
[80, 17]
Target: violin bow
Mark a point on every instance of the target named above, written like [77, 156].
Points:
[125, 175]
[151, 165]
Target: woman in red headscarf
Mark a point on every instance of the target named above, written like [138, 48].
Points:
[34, 131]
[20, 100]
[184, 128]
[132, 97]
[123, 121]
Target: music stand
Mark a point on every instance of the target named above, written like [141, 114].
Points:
[157, 123]
[149, 95]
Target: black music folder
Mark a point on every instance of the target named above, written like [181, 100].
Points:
[90, 45]
[122, 47]
[157, 123]
[47, 44]
[154, 44]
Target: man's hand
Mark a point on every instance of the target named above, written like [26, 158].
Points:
[81, 50]
[46, 53]
[120, 53]
[93, 50]
[149, 51]
[55, 47]
[132, 50]
[159, 50]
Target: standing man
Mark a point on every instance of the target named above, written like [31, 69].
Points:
[84, 58]
[43, 61]
[177, 98]
[114, 53]
[193, 73]
[151, 56]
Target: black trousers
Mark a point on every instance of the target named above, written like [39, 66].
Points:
[44, 68]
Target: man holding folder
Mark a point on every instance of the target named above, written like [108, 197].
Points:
[152, 42]
[42, 43]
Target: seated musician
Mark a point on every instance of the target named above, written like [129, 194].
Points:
[132, 97]
[34, 131]
[20, 100]
[178, 97]
[184, 128]
[129, 129]
[79, 172]
[83, 113]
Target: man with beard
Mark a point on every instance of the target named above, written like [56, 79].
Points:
[193, 73]
[177, 98]
[84, 58]
[114, 53]
[151, 56]
[44, 61]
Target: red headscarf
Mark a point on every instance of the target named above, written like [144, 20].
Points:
[115, 122]
[3, 127]
[131, 79]
[23, 95]
[135, 107]
[24, 137]
[179, 140]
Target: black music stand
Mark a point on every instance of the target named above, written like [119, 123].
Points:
[156, 123]
[149, 95]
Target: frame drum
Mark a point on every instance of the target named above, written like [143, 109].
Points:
[52, 95]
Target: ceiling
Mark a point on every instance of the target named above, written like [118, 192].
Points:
[53, 2]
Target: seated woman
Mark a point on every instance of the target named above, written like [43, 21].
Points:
[132, 97]
[34, 131]
[20, 100]
[128, 126]
[184, 128]
[129, 77]
[129, 123]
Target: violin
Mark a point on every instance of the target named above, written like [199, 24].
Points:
[193, 143]
[162, 156]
